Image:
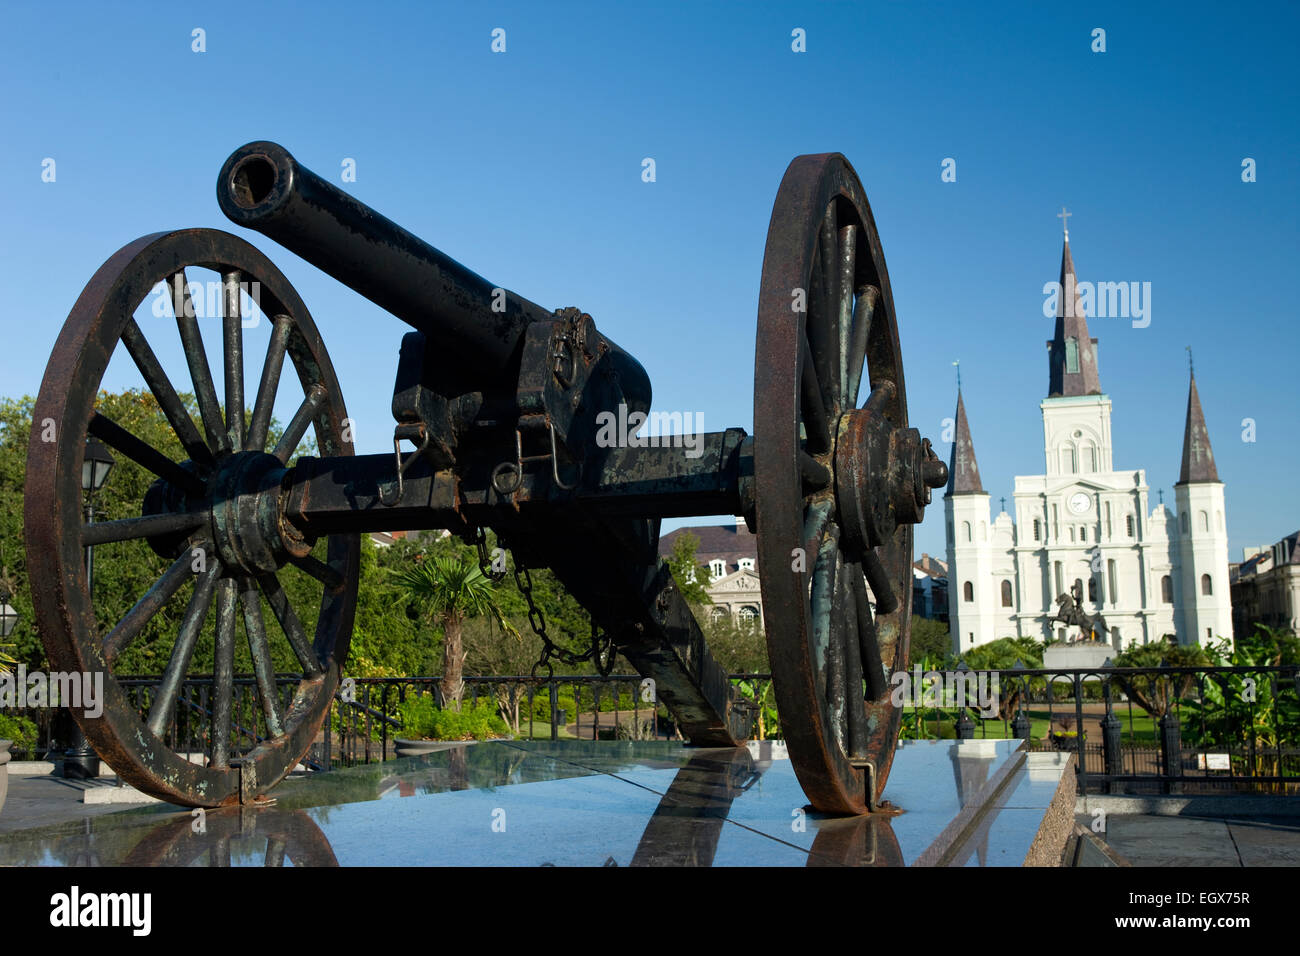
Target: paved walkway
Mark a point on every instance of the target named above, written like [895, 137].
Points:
[1196, 841]
[37, 798]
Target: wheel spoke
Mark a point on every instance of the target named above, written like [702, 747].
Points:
[864, 308]
[873, 665]
[881, 587]
[196, 357]
[260, 650]
[828, 646]
[881, 397]
[319, 570]
[812, 406]
[144, 455]
[127, 529]
[813, 474]
[179, 664]
[129, 628]
[289, 623]
[270, 382]
[232, 338]
[164, 394]
[821, 326]
[297, 427]
[848, 633]
[223, 674]
[845, 264]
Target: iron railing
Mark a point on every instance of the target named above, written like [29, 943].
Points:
[1134, 730]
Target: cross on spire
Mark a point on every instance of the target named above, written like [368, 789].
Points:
[1004, 503]
[957, 364]
[1065, 221]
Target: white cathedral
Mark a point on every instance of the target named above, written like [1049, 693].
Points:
[1148, 572]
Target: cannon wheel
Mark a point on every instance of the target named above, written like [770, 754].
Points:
[825, 321]
[206, 518]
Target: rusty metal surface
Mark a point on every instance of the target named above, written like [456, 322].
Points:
[826, 318]
[229, 495]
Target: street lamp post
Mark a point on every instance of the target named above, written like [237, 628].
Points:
[80, 762]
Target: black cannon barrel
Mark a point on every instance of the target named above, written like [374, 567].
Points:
[262, 187]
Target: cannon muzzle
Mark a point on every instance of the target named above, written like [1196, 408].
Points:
[461, 314]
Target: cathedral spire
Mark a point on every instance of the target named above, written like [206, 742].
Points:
[1072, 358]
[1198, 457]
[963, 471]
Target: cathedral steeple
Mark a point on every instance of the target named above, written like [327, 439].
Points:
[1072, 352]
[963, 471]
[1198, 457]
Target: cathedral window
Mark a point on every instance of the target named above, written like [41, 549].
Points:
[1072, 355]
[968, 592]
[1108, 530]
[1207, 585]
[965, 529]
[1038, 530]
[1068, 458]
[1092, 590]
[1167, 590]
[1183, 522]
[1060, 587]
[1113, 581]
[1205, 521]
[1006, 594]
[1128, 525]
[1090, 458]
[1083, 533]
[1072, 534]
[717, 614]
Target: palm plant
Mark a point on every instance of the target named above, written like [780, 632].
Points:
[452, 588]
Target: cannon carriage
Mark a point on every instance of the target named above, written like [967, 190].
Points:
[498, 403]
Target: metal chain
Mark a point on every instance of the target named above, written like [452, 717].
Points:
[484, 563]
[600, 645]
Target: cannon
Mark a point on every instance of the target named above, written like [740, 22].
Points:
[499, 405]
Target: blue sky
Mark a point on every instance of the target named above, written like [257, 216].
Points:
[526, 166]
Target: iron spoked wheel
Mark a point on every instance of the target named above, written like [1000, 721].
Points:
[231, 837]
[837, 487]
[212, 520]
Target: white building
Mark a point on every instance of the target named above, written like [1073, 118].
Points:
[1149, 572]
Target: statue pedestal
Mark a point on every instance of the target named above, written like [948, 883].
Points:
[1081, 654]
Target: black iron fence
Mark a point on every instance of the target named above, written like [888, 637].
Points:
[1133, 730]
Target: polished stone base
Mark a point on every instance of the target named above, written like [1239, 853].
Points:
[604, 803]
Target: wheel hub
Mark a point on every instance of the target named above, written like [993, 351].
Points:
[248, 524]
[883, 477]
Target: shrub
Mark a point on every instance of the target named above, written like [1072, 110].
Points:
[421, 719]
[20, 730]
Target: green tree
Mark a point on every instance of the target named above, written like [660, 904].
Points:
[1002, 655]
[452, 588]
[692, 578]
[931, 640]
[1156, 693]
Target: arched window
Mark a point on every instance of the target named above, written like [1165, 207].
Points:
[717, 614]
[1207, 585]
[1072, 354]
[965, 529]
[1092, 590]
[1183, 522]
[1083, 533]
[1113, 581]
[968, 591]
[1006, 594]
[1071, 463]
[748, 615]
[1205, 521]
[1071, 533]
[1038, 530]
[1090, 457]
[1128, 525]
[1167, 590]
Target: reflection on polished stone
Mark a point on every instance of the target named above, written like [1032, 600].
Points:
[585, 803]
